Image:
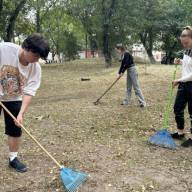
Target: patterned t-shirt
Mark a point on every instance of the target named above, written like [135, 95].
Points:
[15, 78]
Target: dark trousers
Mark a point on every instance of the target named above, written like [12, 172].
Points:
[184, 97]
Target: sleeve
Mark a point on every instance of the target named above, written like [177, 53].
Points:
[127, 60]
[34, 81]
[186, 78]
[121, 68]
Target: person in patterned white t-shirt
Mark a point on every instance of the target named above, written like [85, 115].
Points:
[20, 77]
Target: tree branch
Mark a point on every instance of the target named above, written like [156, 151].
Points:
[12, 20]
[1, 6]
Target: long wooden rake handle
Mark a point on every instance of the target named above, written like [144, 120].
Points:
[107, 90]
[31, 136]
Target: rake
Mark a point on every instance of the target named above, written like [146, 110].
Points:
[108, 89]
[163, 137]
[70, 178]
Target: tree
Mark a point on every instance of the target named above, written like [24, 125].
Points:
[23, 27]
[61, 31]
[71, 47]
[41, 9]
[147, 24]
[187, 6]
[85, 10]
[172, 22]
[11, 13]
[96, 18]
[98, 24]
[108, 8]
[1, 6]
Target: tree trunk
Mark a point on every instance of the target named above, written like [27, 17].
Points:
[170, 53]
[93, 43]
[107, 14]
[1, 7]
[38, 22]
[86, 45]
[106, 49]
[150, 55]
[146, 38]
[11, 23]
[38, 18]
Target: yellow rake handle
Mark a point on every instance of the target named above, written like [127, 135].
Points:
[32, 137]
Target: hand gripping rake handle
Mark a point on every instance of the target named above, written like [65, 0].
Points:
[32, 137]
[96, 102]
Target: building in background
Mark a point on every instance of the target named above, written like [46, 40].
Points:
[138, 50]
[88, 54]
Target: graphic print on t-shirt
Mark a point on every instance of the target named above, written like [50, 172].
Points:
[11, 81]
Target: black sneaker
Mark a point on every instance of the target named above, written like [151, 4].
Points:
[142, 105]
[187, 143]
[17, 165]
[177, 136]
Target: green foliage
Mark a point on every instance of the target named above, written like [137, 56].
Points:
[72, 24]
[61, 30]
[71, 47]
[172, 22]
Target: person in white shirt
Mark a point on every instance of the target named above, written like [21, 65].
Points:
[20, 77]
[184, 94]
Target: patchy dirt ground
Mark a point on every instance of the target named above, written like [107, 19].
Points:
[107, 141]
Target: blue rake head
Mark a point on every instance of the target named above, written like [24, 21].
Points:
[163, 139]
[72, 179]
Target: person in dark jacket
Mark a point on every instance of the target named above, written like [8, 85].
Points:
[127, 64]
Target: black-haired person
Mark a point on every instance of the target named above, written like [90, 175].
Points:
[20, 77]
[127, 63]
[184, 93]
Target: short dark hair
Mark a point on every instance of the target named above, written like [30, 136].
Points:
[37, 44]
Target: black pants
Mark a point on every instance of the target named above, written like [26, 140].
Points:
[10, 128]
[184, 97]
